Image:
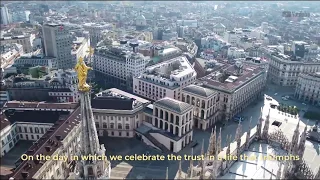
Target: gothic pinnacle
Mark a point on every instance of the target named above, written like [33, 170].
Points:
[179, 171]
[167, 173]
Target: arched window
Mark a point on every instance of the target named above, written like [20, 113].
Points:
[104, 125]
[119, 126]
[193, 101]
[156, 112]
[112, 125]
[127, 126]
[183, 98]
[161, 124]
[202, 114]
[177, 120]
[161, 114]
[188, 99]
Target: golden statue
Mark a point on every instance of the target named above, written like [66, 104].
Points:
[82, 71]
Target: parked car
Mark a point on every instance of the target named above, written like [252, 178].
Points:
[275, 94]
[238, 118]
[285, 99]
[288, 97]
[304, 104]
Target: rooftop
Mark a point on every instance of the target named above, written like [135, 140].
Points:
[173, 105]
[198, 90]
[171, 70]
[38, 105]
[231, 78]
[47, 145]
[117, 100]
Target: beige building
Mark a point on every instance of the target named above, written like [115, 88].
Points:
[284, 70]
[308, 88]
[165, 79]
[117, 113]
[25, 40]
[237, 86]
[205, 104]
[167, 125]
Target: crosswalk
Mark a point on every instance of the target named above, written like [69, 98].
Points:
[123, 170]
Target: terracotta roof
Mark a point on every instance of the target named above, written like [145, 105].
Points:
[47, 145]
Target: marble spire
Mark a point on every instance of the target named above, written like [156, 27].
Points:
[200, 162]
[228, 148]
[259, 125]
[278, 177]
[219, 142]
[212, 142]
[89, 142]
[317, 176]
[238, 138]
[167, 173]
[179, 171]
[202, 172]
[190, 169]
[295, 140]
[266, 127]
[248, 134]
[302, 143]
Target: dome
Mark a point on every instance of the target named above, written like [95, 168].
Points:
[141, 17]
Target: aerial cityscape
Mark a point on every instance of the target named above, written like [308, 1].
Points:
[160, 90]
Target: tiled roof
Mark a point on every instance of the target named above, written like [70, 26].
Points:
[47, 145]
[201, 91]
[173, 105]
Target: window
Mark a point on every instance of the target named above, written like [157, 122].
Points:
[112, 133]
[127, 126]
[128, 134]
[36, 129]
[21, 136]
[38, 136]
[19, 129]
[120, 134]
[3, 143]
[119, 126]
[25, 129]
[97, 125]
[111, 125]
[31, 130]
[9, 137]
[104, 125]
[41, 130]
[32, 137]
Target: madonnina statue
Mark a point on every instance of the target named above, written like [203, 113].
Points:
[82, 71]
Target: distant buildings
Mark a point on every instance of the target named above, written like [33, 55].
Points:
[56, 86]
[308, 88]
[165, 79]
[25, 40]
[5, 16]
[284, 69]
[118, 65]
[57, 43]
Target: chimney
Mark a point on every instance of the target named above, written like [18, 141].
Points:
[48, 148]
[24, 174]
[58, 137]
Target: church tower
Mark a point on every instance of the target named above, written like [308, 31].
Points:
[89, 142]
